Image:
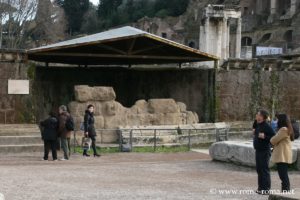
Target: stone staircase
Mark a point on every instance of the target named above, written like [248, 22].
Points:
[20, 138]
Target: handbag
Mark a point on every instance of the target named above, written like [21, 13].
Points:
[86, 143]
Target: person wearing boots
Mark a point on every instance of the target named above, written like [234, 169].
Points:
[49, 135]
[282, 152]
[89, 129]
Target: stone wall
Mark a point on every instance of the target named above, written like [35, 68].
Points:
[110, 114]
[13, 108]
[243, 88]
[194, 87]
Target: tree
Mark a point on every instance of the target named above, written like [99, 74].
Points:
[15, 15]
[49, 25]
[107, 8]
[75, 11]
[90, 22]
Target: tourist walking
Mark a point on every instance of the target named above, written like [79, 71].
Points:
[89, 129]
[49, 135]
[65, 132]
[282, 152]
[261, 142]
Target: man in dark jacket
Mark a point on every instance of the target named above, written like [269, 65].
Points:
[49, 135]
[262, 134]
[64, 134]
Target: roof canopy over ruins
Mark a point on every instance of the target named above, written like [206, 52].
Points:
[121, 46]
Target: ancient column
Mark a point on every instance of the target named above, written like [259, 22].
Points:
[238, 38]
[207, 36]
[219, 38]
[204, 36]
[228, 39]
[273, 8]
[224, 39]
[293, 7]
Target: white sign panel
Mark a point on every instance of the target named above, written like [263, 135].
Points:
[18, 86]
[265, 51]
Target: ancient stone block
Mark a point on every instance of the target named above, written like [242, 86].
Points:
[84, 93]
[2, 117]
[140, 107]
[108, 136]
[79, 108]
[99, 122]
[77, 121]
[139, 119]
[181, 106]
[191, 117]
[238, 152]
[111, 122]
[111, 108]
[163, 106]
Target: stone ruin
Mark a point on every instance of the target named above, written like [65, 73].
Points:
[110, 114]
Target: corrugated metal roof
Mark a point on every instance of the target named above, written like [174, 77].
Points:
[126, 45]
[106, 35]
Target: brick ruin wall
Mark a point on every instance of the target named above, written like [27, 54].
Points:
[14, 108]
[243, 86]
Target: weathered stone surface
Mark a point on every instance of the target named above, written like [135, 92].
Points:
[110, 114]
[239, 152]
[191, 117]
[79, 108]
[140, 107]
[140, 119]
[112, 108]
[114, 121]
[181, 106]
[99, 122]
[163, 106]
[84, 93]
[108, 136]
[167, 119]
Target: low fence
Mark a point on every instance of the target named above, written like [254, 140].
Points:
[155, 137]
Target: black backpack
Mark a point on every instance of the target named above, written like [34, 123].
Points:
[70, 126]
[295, 125]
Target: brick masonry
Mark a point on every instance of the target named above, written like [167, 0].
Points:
[12, 66]
[238, 89]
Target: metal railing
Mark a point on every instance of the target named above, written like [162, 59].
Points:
[129, 134]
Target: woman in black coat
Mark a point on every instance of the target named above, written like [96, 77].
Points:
[49, 135]
[89, 129]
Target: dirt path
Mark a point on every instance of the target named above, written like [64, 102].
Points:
[127, 176]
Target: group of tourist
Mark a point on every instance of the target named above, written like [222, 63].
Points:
[57, 131]
[267, 143]
[275, 146]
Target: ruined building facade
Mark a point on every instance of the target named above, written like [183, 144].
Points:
[215, 26]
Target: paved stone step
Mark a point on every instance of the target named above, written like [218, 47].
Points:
[20, 133]
[9, 126]
[19, 140]
[19, 130]
[29, 148]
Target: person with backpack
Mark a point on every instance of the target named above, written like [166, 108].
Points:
[282, 151]
[296, 129]
[66, 126]
[49, 135]
[89, 129]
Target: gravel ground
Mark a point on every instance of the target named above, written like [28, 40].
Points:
[128, 176]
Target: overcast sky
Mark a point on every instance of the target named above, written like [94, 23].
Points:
[95, 2]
